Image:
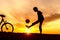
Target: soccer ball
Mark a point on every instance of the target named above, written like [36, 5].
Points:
[27, 20]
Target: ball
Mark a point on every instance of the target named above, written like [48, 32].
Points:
[27, 20]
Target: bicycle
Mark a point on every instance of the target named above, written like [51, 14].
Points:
[6, 26]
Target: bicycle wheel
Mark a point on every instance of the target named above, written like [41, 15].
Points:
[7, 27]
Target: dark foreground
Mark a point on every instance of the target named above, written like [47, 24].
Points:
[24, 36]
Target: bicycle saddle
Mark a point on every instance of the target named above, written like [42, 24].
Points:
[2, 15]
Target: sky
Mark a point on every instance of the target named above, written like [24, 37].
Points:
[17, 11]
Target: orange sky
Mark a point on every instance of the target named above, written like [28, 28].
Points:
[17, 11]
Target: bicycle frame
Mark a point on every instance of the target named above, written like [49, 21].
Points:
[4, 24]
[3, 21]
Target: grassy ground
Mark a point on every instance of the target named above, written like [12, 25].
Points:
[24, 36]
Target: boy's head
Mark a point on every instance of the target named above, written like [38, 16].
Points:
[35, 9]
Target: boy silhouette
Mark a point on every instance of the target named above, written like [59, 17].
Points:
[40, 19]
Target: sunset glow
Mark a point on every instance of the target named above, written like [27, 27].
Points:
[17, 11]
